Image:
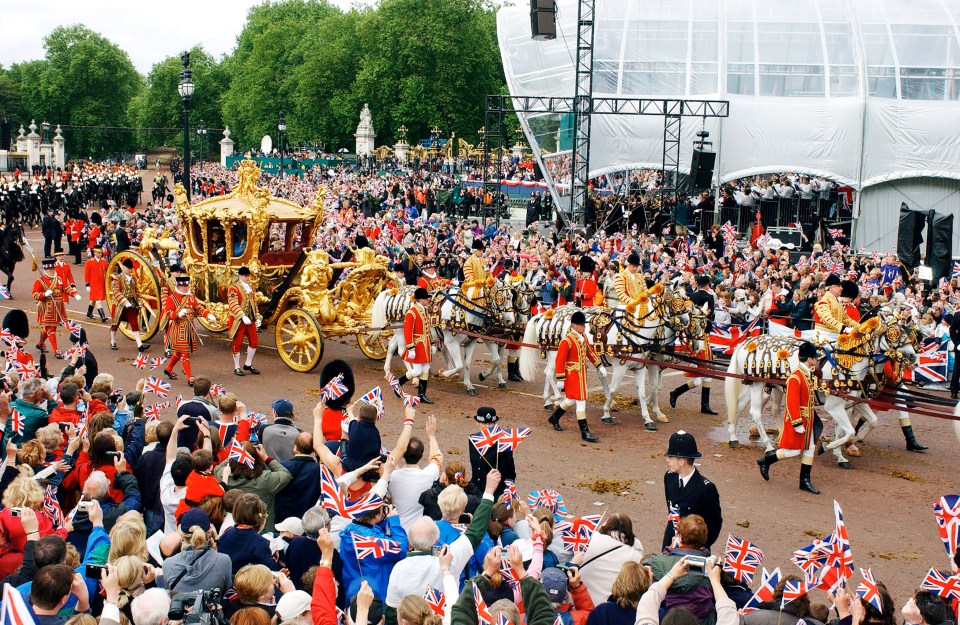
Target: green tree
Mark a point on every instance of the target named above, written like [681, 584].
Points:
[158, 104]
[84, 80]
[11, 101]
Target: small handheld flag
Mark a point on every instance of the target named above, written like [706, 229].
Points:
[512, 438]
[741, 559]
[436, 600]
[16, 421]
[334, 389]
[869, 591]
[157, 386]
[486, 439]
[367, 546]
[241, 455]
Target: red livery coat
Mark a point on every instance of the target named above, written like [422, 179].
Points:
[181, 337]
[431, 284]
[572, 355]
[51, 310]
[95, 277]
[799, 411]
[241, 303]
[416, 334]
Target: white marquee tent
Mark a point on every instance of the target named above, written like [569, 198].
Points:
[864, 92]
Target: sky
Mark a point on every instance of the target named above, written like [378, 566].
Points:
[148, 31]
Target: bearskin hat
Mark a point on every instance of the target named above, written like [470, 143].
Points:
[16, 322]
[331, 370]
[587, 264]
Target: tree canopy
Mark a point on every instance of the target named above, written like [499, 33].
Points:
[418, 63]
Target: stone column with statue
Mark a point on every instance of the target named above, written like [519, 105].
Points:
[365, 135]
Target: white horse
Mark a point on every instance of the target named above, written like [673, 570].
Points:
[854, 364]
[391, 307]
[458, 315]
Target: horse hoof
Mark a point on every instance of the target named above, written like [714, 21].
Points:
[844, 465]
[734, 444]
[607, 420]
[548, 407]
[663, 419]
[482, 377]
[754, 432]
[472, 392]
[650, 426]
[853, 450]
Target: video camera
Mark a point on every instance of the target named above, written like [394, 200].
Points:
[200, 606]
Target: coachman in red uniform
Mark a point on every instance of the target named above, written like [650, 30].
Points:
[573, 353]
[417, 333]
[126, 303]
[51, 292]
[95, 279]
[801, 425]
[180, 308]
[430, 280]
[244, 321]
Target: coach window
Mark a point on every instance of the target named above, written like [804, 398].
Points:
[217, 241]
[196, 234]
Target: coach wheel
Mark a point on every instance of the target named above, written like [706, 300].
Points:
[148, 285]
[374, 346]
[299, 340]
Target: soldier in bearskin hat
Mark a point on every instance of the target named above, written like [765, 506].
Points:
[335, 410]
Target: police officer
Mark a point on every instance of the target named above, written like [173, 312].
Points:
[686, 490]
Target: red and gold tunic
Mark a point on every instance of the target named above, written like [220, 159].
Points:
[241, 303]
[572, 355]
[799, 410]
[123, 290]
[416, 334]
[181, 337]
[95, 277]
[431, 283]
[65, 274]
[51, 311]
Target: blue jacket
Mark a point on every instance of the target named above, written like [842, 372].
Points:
[246, 546]
[610, 613]
[303, 491]
[375, 570]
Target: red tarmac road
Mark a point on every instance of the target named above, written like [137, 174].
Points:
[887, 498]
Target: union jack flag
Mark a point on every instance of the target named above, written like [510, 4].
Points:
[140, 362]
[436, 599]
[724, 339]
[157, 386]
[334, 501]
[241, 455]
[7, 336]
[217, 390]
[741, 559]
[826, 263]
[764, 594]
[13, 609]
[835, 233]
[77, 351]
[23, 370]
[511, 439]
[334, 389]
[483, 614]
[576, 533]
[939, 584]
[410, 401]
[931, 363]
[509, 492]
[394, 383]
[956, 270]
[947, 513]
[17, 421]
[548, 498]
[837, 268]
[486, 438]
[157, 362]
[51, 507]
[869, 591]
[374, 397]
[793, 589]
[875, 259]
[367, 546]
[810, 559]
[152, 413]
[178, 401]
[803, 262]
[729, 232]
[259, 419]
[72, 327]
[673, 517]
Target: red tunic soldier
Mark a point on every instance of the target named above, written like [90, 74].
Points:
[417, 333]
[63, 270]
[180, 308]
[95, 279]
[571, 370]
[801, 425]
[430, 280]
[51, 292]
[126, 303]
[244, 321]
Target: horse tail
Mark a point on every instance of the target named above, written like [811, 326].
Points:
[529, 355]
[731, 391]
[378, 317]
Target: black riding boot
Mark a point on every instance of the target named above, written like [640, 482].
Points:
[90, 311]
[912, 444]
[422, 392]
[805, 479]
[400, 382]
[677, 392]
[554, 419]
[585, 432]
[103, 317]
[513, 371]
[705, 402]
[764, 463]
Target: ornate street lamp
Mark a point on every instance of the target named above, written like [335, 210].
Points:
[282, 127]
[185, 89]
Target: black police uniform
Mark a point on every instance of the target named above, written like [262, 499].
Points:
[699, 496]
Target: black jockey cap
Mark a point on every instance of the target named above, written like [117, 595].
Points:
[683, 445]
[183, 280]
[633, 259]
[850, 289]
[421, 293]
[477, 244]
[578, 318]
[243, 271]
[808, 350]
[176, 268]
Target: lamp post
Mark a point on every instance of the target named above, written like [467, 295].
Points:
[282, 127]
[185, 89]
[201, 134]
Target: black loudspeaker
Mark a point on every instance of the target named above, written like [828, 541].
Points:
[910, 235]
[4, 133]
[543, 24]
[701, 168]
[940, 246]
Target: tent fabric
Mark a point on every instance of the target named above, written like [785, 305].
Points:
[860, 91]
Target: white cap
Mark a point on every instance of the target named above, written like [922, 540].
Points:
[291, 525]
[293, 604]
